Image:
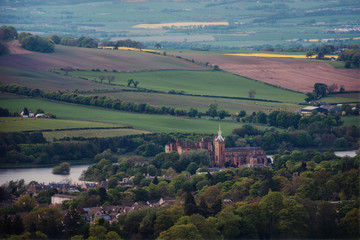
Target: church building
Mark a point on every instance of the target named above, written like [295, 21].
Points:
[219, 155]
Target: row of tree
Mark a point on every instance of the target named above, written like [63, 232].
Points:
[123, 43]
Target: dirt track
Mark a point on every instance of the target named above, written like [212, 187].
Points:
[294, 74]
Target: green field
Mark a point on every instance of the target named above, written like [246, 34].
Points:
[18, 124]
[211, 83]
[154, 123]
[351, 121]
[199, 103]
[90, 133]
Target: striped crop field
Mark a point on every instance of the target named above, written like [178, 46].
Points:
[180, 25]
[269, 55]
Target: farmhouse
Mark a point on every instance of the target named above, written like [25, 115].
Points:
[59, 198]
[221, 156]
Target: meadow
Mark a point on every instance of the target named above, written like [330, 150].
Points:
[153, 123]
[212, 83]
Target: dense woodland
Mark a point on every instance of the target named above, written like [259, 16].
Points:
[298, 197]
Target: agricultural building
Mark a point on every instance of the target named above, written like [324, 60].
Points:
[221, 156]
[325, 109]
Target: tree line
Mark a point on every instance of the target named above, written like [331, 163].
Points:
[123, 43]
[99, 101]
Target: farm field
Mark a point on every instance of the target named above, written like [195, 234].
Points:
[153, 123]
[294, 74]
[18, 124]
[92, 133]
[200, 103]
[213, 83]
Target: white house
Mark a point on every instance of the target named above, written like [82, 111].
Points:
[59, 198]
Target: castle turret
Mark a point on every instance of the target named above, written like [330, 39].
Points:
[219, 150]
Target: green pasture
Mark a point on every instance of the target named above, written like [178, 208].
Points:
[18, 124]
[90, 133]
[334, 99]
[154, 123]
[342, 98]
[213, 83]
[199, 103]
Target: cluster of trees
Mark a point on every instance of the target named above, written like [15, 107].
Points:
[63, 168]
[134, 83]
[275, 202]
[351, 57]
[315, 131]
[123, 43]
[5, 112]
[8, 33]
[321, 90]
[36, 43]
[214, 112]
[85, 42]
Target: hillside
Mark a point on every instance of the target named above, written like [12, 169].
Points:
[33, 69]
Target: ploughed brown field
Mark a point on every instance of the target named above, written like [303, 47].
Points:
[33, 69]
[294, 74]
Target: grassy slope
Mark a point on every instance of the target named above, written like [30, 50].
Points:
[202, 83]
[156, 123]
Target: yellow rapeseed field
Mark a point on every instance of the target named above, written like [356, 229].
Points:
[180, 24]
[275, 55]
